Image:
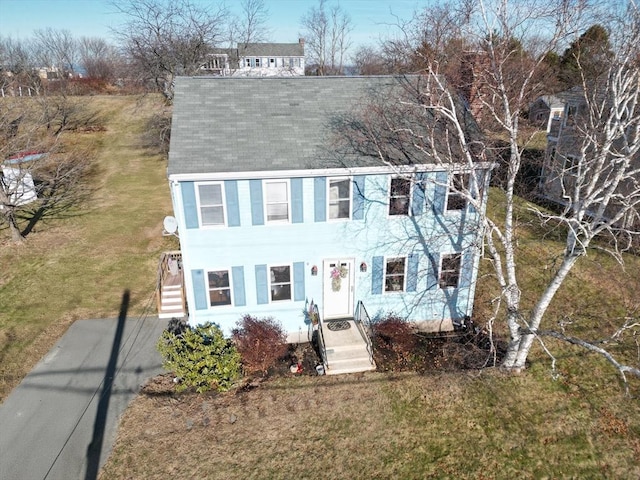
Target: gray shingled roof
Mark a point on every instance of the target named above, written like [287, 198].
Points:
[271, 50]
[223, 124]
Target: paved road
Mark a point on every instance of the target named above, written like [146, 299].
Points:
[60, 422]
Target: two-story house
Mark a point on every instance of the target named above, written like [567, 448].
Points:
[568, 175]
[271, 225]
[257, 60]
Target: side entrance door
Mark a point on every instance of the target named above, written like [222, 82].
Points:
[338, 281]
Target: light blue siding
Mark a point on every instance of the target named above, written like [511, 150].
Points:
[233, 206]
[250, 249]
[189, 204]
[320, 199]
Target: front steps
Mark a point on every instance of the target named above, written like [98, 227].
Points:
[346, 350]
[171, 302]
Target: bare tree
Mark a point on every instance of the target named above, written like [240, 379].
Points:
[40, 176]
[98, 58]
[327, 37]
[600, 188]
[56, 49]
[251, 25]
[166, 38]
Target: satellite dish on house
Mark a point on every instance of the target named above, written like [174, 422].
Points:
[170, 225]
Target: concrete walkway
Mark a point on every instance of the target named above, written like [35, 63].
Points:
[60, 422]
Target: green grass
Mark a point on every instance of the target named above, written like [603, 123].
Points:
[79, 267]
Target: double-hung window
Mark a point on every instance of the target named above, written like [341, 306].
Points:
[211, 204]
[399, 196]
[277, 201]
[458, 184]
[395, 274]
[450, 270]
[280, 282]
[339, 198]
[219, 288]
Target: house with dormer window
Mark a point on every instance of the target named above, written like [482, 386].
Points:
[273, 223]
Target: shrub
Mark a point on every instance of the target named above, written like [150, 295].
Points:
[200, 357]
[395, 342]
[261, 343]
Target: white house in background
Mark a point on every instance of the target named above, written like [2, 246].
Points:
[547, 111]
[257, 60]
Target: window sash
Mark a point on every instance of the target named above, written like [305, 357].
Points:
[395, 274]
[277, 202]
[399, 196]
[280, 283]
[219, 288]
[211, 204]
[450, 270]
[455, 199]
[339, 198]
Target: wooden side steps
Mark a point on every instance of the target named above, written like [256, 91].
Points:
[171, 302]
[346, 350]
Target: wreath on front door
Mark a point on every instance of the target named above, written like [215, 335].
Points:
[337, 274]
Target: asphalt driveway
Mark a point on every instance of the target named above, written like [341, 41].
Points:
[60, 422]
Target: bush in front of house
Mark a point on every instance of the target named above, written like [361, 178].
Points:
[394, 342]
[200, 357]
[261, 342]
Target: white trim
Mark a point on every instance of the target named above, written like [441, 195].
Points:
[442, 255]
[231, 294]
[450, 186]
[291, 282]
[409, 195]
[324, 172]
[199, 206]
[265, 202]
[350, 198]
[404, 275]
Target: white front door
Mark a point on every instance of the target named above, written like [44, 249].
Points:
[338, 279]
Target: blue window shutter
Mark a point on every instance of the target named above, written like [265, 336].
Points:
[433, 270]
[320, 199]
[412, 272]
[189, 203]
[257, 209]
[238, 286]
[417, 203]
[466, 268]
[199, 289]
[262, 286]
[358, 197]
[440, 195]
[233, 207]
[298, 281]
[296, 201]
[377, 275]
